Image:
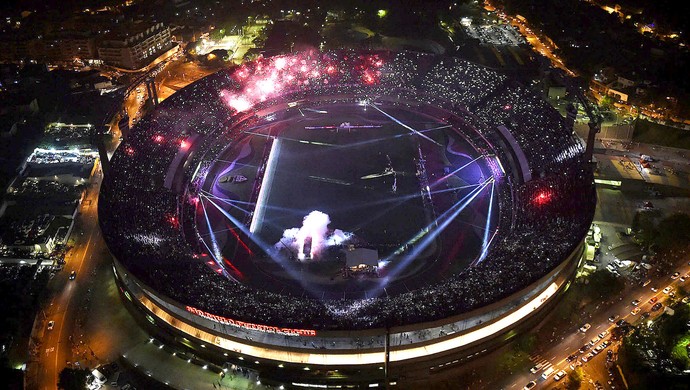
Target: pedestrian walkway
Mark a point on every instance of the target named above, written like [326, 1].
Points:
[178, 373]
[537, 359]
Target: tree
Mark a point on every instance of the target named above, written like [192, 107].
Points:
[574, 379]
[72, 379]
[645, 228]
[511, 361]
[606, 102]
[526, 343]
[603, 285]
[673, 231]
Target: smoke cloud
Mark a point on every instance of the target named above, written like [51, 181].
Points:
[308, 241]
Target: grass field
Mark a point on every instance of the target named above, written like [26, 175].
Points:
[653, 133]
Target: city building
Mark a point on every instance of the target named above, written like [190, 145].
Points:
[134, 45]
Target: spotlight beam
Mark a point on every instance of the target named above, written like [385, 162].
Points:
[264, 246]
[429, 233]
[487, 226]
[396, 120]
[454, 172]
[294, 274]
[215, 252]
[251, 204]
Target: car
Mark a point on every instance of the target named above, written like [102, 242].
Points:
[613, 318]
[587, 357]
[584, 328]
[675, 275]
[657, 306]
[73, 275]
[655, 289]
[603, 334]
[559, 375]
[594, 340]
[635, 311]
[536, 368]
[51, 325]
[653, 300]
[645, 314]
[571, 358]
[584, 348]
[684, 277]
[530, 385]
[622, 323]
[646, 282]
[667, 290]
[686, 299]
[635, 302]
[546, 374]
[648, 205]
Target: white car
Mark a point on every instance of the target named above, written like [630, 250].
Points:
[603, 334]
[559, 375]
[536, 368]
[585, 328]
[667, 290]
[51, 325]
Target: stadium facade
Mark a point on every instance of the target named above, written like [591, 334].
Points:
[467, 192]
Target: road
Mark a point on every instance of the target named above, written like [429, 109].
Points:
[55, 349]
[555, 355]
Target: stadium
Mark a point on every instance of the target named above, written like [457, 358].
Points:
[347, 215]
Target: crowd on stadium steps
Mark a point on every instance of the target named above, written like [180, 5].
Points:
[141, 219]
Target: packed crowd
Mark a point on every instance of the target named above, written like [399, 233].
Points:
[152, 237]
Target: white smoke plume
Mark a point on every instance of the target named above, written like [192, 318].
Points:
[314, 227]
